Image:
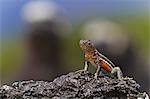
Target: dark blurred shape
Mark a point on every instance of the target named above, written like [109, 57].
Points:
[43, 56]
[43, 50]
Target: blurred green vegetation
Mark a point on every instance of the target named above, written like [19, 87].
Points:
[137, 28]
[12, 55]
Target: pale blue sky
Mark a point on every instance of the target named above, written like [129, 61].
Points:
[75, 10]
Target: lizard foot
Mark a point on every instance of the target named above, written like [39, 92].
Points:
[95, 76]
[82, 70]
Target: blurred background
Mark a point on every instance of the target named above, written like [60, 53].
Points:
[40, 38]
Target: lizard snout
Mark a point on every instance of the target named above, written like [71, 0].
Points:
[81, 41]
[84, 41]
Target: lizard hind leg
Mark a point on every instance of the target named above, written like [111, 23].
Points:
[117, 70]
[97, 72]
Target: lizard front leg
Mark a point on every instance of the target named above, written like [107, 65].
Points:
[85, 67]
[97, 72]
[117, 70]
[98, 69]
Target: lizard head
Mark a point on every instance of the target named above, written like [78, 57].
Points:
[86, 45]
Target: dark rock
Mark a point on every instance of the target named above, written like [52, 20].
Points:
[72, 85]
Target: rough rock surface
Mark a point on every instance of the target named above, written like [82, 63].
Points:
[72, 85]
